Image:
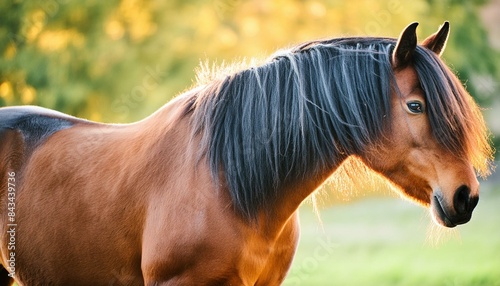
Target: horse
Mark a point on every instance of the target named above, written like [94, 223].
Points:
[205, 191]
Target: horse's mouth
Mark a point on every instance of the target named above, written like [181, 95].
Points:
[439, 213]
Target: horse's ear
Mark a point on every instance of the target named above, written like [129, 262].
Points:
[405, 47]
[437, 41]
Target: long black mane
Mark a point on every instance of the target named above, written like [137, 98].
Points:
[306, 110]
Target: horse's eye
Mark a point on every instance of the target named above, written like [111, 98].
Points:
[415, 107]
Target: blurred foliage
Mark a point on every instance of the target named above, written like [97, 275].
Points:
[121, 60]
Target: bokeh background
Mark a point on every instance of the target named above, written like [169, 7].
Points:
[118, 61]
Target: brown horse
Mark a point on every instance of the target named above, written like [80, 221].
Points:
[205, 191]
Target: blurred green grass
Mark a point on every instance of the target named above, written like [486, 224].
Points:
[389, 241]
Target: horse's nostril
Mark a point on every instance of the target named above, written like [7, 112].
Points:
[463, 202]
[473, 203]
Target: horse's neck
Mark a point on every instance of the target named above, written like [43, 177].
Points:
[290, 196]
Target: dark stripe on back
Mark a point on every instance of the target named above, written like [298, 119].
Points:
[35, 124]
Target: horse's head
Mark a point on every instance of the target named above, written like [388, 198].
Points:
[437, 138]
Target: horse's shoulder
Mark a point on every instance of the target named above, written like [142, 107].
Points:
[33, 123]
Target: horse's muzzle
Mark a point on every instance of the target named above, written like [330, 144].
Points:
[461, 210]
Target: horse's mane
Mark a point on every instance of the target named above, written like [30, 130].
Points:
[306, 109]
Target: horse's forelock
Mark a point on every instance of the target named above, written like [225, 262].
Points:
[456, 120]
